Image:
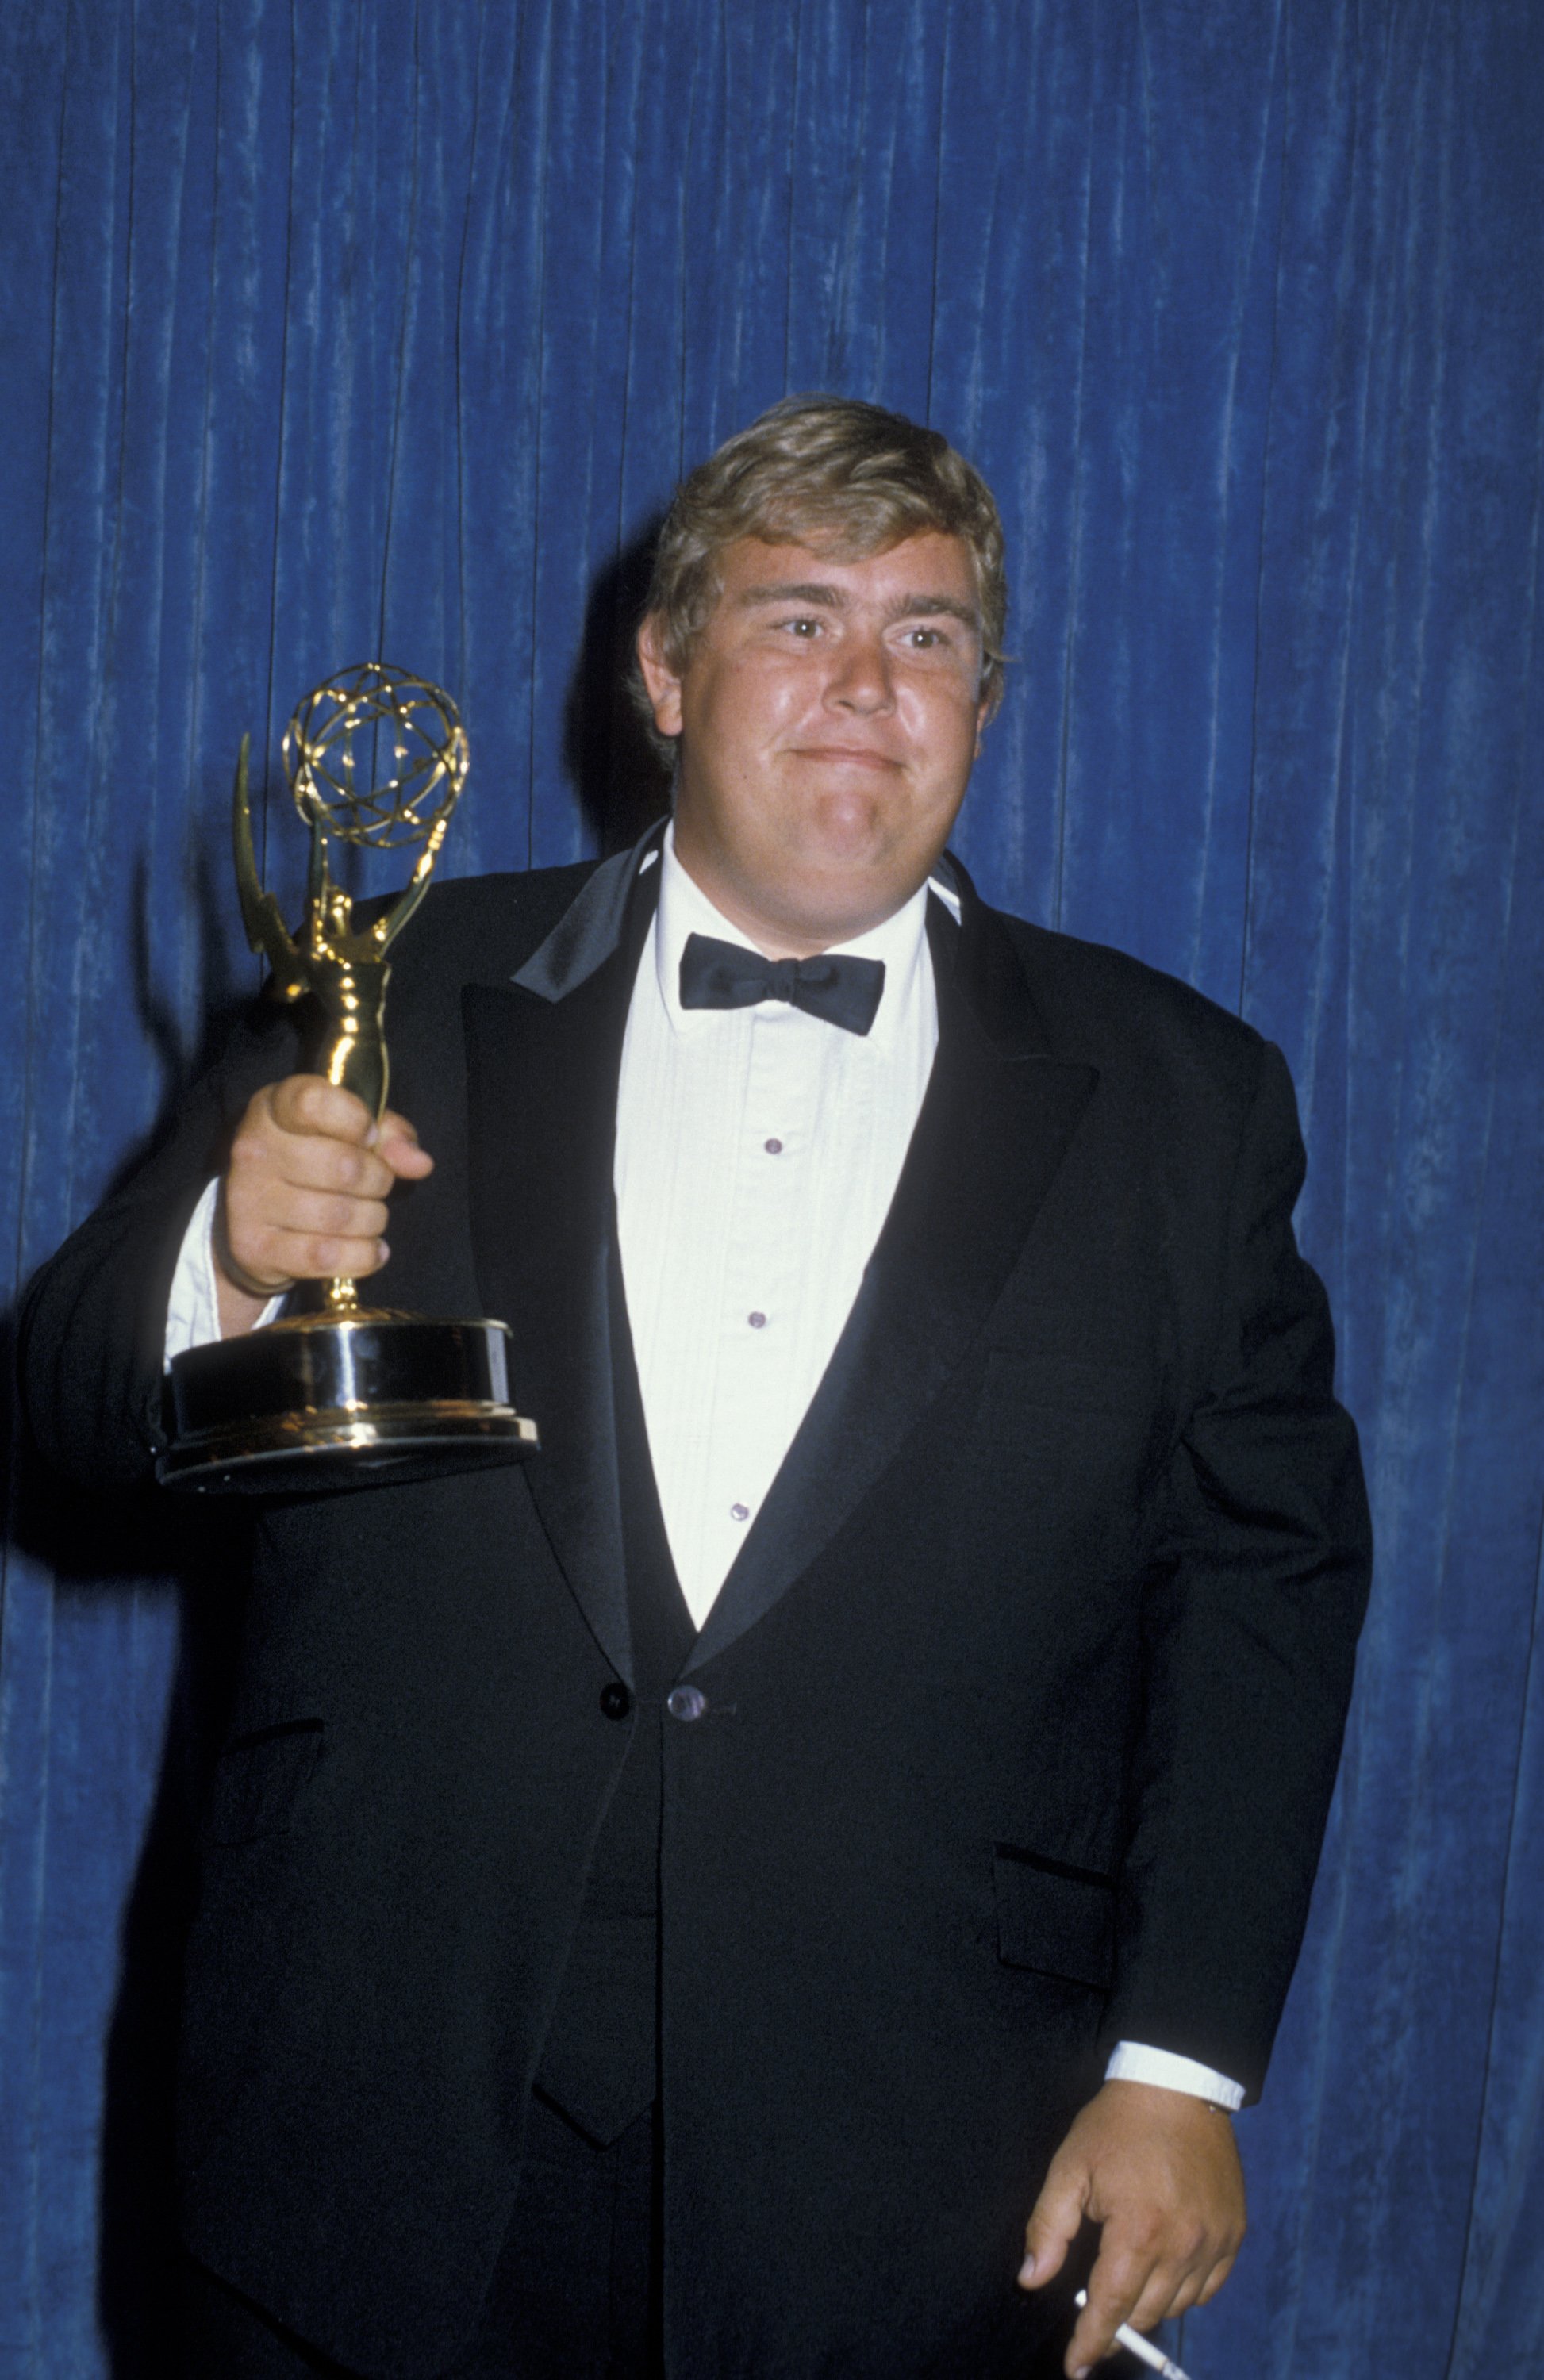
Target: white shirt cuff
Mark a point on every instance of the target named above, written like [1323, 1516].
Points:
[194, 1308]
[1133, 2061]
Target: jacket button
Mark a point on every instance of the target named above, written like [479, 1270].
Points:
[685, 1702]
[615, 1701]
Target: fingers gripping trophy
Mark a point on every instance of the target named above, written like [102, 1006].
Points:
[344, 1392]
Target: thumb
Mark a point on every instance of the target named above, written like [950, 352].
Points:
[398, 1144]
[1055, 2221]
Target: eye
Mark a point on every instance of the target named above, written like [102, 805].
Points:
[805, 626]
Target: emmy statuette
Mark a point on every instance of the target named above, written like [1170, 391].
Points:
[346, 1394]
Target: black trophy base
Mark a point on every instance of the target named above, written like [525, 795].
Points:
[321, 1401]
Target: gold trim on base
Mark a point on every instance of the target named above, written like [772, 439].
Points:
[308, 1440]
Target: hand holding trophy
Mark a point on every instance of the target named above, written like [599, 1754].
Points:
[343, 1393]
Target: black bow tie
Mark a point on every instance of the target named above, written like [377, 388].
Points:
[844, 992]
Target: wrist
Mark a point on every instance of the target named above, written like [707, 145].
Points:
[1157, 2102]
[230, 1268]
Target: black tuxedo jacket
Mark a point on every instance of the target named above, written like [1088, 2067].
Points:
[1023, 1700]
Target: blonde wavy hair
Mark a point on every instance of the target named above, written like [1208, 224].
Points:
[847, 478]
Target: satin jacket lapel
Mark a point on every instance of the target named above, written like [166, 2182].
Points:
[998, 1118]
[542, 1069]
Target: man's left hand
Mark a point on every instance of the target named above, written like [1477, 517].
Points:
[1158, 2171]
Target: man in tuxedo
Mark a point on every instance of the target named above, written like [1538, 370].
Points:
[684, 1905]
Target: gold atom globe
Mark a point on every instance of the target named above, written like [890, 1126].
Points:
[344, 730]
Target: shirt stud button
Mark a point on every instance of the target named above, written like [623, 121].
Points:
[773, 1148]
[740, 1511]
[685, 1702]
[756, 1321]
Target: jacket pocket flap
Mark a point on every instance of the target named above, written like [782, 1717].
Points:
[258, 1779]
[1058, 1920]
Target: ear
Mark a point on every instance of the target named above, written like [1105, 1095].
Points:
[665, 687]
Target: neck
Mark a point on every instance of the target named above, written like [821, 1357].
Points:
[781, 938]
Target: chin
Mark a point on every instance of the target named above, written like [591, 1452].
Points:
[854, 841]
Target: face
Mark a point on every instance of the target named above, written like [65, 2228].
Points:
[828, 716]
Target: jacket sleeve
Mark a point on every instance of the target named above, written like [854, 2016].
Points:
[1250, 1617]
[93, 1320]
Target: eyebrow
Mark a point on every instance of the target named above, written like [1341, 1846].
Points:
[834, 599]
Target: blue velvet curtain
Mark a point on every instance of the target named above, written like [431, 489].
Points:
[328, 329]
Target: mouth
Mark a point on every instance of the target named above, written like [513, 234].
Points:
[847, 755]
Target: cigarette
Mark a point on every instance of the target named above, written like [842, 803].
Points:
[1143, 2349]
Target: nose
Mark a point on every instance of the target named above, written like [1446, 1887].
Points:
[861, 679]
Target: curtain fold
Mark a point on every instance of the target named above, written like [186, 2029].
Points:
[335, 332]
